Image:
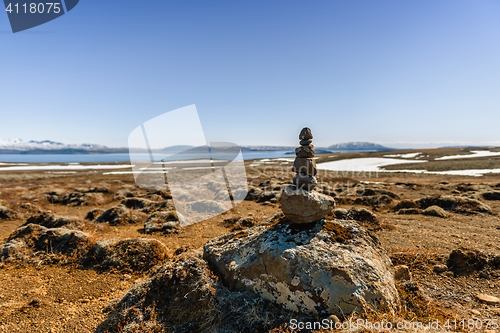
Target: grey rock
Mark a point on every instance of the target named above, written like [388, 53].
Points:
[305, 165]
[305, 142]
[341, 213]
[55, 195]
[402, 273]
[409, 211]
[302, 206]
[305, 151]
[6, 213]
[440, 268]
[305, 181]
[494, 195]
[144, 205]
[363, 215]
[206, 206]
[119, 215]
[435, 211]
[254, 194]
[49, 220]
[305, 134]
[94, 214]
[162, 221]
[78, 198]
[334, 267]
[488, 299]
[378, 192]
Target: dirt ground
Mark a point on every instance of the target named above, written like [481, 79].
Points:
[68, 298]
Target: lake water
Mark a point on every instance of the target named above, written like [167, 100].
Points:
[111, 158]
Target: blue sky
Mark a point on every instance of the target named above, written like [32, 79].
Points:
[400, 73]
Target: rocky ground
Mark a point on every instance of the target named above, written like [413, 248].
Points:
[74, 244]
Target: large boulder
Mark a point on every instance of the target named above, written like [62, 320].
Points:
[301, 206]
[333, 267]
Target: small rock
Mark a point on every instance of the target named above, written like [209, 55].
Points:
[488, 299]
[439, 268]
[402, 272]
[475, 312]
[361, 215]
[305, 151]
[206, 206]
[435, 211]
[341, 213]
[119, 215]
[449, 274]
[6, 213]
[305, 142]
[457, 204]
[305, 134]
[127, 255]
[301, 206]
[162, 221]
[305, 181]
[94, 213]
[50, 220]
[34, 303]
[305, 165]
[464, 262]
[333, 319]
[409, 211]
[404, 204]
[495, 195]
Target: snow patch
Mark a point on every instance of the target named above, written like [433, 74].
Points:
[475, 153]
[64, 167]
[409, 155]
[367, 164]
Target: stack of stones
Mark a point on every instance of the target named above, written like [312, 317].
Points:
[304, 164]
[299, 202]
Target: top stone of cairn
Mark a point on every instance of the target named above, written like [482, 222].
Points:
[305, 134]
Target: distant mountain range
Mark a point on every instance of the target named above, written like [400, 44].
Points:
[358, 146]
[18, 146]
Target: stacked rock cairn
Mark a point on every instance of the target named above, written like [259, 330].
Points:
[304, 164]
[299, 202]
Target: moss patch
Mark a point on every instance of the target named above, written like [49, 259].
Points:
[341, 234]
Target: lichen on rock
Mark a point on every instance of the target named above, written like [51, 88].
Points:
[306, 268]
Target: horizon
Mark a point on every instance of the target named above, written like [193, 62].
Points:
[399, 74]
[396, 146]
